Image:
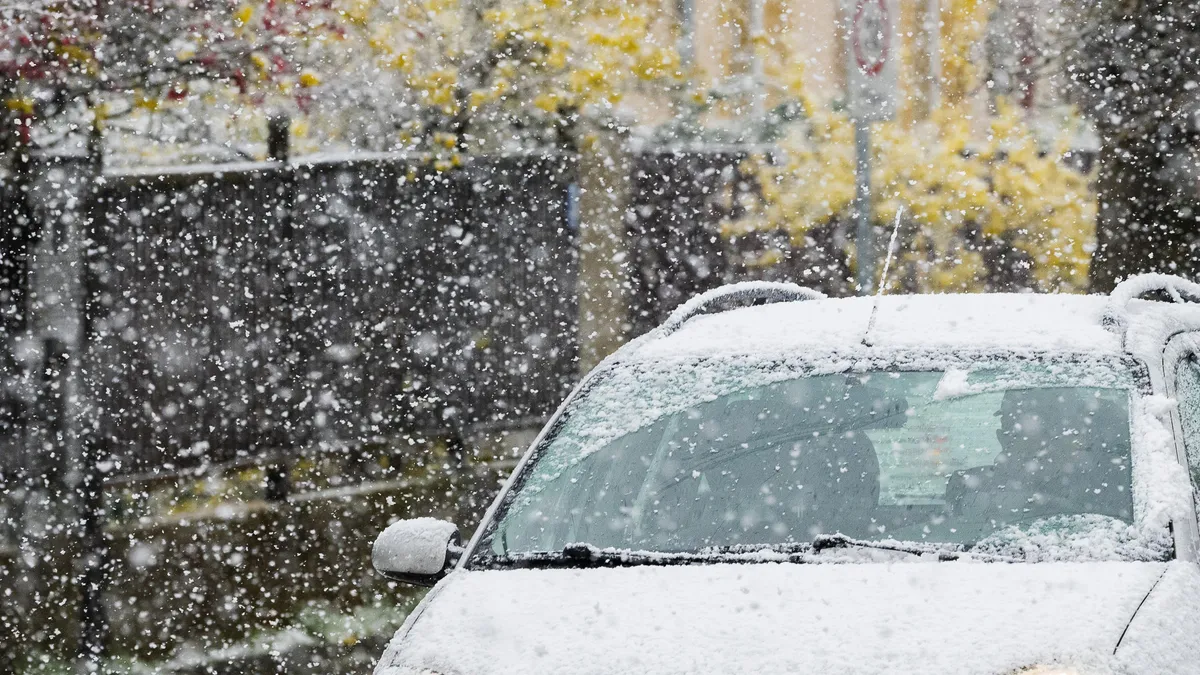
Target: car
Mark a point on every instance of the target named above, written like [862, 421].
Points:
[777, 482]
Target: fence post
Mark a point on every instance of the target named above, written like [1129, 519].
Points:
[605, 185]
[51, 394]
[278, 472]
[19, 236]
[89, 484]
[279, 138]
[93, 619]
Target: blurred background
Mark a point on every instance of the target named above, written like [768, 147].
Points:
[276, 273]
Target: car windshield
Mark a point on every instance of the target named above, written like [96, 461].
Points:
[721, 455]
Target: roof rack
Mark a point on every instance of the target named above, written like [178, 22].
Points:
[1179, 289]
[734, 296]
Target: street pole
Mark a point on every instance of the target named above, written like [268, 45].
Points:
[872, 85]
[686, 45]
[933, 33]
[91, 450]
[757, 67]
[280, 438]
[864, 237]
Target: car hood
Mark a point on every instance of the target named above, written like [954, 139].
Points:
[919, 617]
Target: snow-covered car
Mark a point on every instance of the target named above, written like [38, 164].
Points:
[776, 482]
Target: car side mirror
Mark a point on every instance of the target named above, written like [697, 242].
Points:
[419, 551]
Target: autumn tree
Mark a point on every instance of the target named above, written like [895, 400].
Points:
[985, 204]
[450, 77]
[153, 69]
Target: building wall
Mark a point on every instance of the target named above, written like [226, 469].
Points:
[805, 30]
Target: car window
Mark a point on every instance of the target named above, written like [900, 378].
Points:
[957, 455]
[952, 435]
[1187, 393]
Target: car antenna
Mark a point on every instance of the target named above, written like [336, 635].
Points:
[887, 263]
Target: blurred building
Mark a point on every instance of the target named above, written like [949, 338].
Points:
[749, 51]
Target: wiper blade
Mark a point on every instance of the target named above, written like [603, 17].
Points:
[827, 541]
[594, 556]
[788, 550]
[588, 556]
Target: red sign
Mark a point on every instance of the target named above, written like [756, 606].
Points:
[870, 36]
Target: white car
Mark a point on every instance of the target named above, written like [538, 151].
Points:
[775, 482]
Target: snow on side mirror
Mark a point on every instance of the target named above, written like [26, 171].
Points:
[419, 551]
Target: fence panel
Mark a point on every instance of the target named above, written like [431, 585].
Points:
[679, 207]
[15, 230]
[523, 314]
[182, 359]
[678, 202]
[265, 310]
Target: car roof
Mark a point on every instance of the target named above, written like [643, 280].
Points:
[1031, 323]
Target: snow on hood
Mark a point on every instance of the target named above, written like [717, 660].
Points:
[926, 618]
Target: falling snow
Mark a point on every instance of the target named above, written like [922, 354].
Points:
[276, 275]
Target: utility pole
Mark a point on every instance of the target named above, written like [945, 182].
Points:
[757, 77]
[90, 449]
[871, 85]
[933, 36]
[864, 241]
[685, 11]
[279, 437]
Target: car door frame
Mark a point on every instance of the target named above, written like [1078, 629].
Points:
[1176, 349]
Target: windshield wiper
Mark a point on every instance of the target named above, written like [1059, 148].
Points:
[827, 541]
[578, 556]
[581, 555]
[586, 556]
[824, 542]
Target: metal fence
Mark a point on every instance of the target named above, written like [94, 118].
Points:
[18, 401]
[679, 202]
[240, 313]
[252, 312]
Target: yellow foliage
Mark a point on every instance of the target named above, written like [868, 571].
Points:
[21, 105]
[963, 25]
[968, 190]
[957, 196]
[437, 88]
[309, 79]
[545, 60]
[546, 102]
[243, 15]
[657, 64]
[144, 102]
[401, 60]
[260, 61]
[75, 53]
[357, 12]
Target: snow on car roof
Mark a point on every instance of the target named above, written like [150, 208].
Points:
[1017, 322]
